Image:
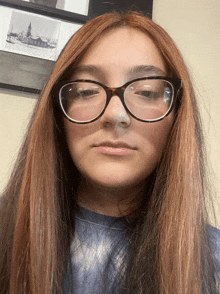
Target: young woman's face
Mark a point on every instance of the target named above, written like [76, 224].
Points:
[117, 150]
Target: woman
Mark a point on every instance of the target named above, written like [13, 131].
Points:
[108, 193]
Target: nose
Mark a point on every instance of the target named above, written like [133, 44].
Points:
[115, 114]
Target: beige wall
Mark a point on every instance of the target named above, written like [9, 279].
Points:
[195, 26]
[15, 111]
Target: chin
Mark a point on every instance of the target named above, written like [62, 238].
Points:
[116, 181]
[116, 176]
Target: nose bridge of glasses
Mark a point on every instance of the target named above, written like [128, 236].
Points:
[116, 92]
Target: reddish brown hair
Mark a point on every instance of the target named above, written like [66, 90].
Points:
[36, 222]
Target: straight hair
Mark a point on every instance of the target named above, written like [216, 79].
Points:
[169, 250]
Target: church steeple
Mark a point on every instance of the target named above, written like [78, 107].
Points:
[28, 34]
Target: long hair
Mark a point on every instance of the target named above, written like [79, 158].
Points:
[169, 251]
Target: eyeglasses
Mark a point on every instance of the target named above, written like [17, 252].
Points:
[147, 99]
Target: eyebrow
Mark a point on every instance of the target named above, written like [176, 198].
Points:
[100, 71]
[91, 69]
[148, 69]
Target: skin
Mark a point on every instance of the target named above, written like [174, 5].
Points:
[112, 184]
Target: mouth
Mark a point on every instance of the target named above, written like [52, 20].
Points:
[115, 148]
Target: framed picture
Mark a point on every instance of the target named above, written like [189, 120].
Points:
[70, 10]
[33, 33]
[30, 44]
[80, 7]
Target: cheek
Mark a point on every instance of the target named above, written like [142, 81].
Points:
[159, 136]
[77, 131]
[155, 136]
[78, 136]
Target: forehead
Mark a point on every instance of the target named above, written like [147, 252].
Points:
[123, 47]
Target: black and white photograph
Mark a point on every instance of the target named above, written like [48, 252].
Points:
[29, 44]
[32, 35]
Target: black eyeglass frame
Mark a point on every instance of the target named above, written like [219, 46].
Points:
[176, 84]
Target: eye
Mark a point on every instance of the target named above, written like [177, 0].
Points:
[147, 94]
[86, 93]
[83, 92]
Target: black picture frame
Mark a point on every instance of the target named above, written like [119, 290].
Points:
[45, 10]
[12, 76]
[98, 7]
[12, 73]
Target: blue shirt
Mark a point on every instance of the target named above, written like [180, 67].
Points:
[97, 251]
[214, 234]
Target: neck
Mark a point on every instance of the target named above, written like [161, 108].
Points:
[110, 201]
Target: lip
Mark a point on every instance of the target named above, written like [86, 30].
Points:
[115, 148]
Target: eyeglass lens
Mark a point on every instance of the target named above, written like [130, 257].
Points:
[145, 99]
